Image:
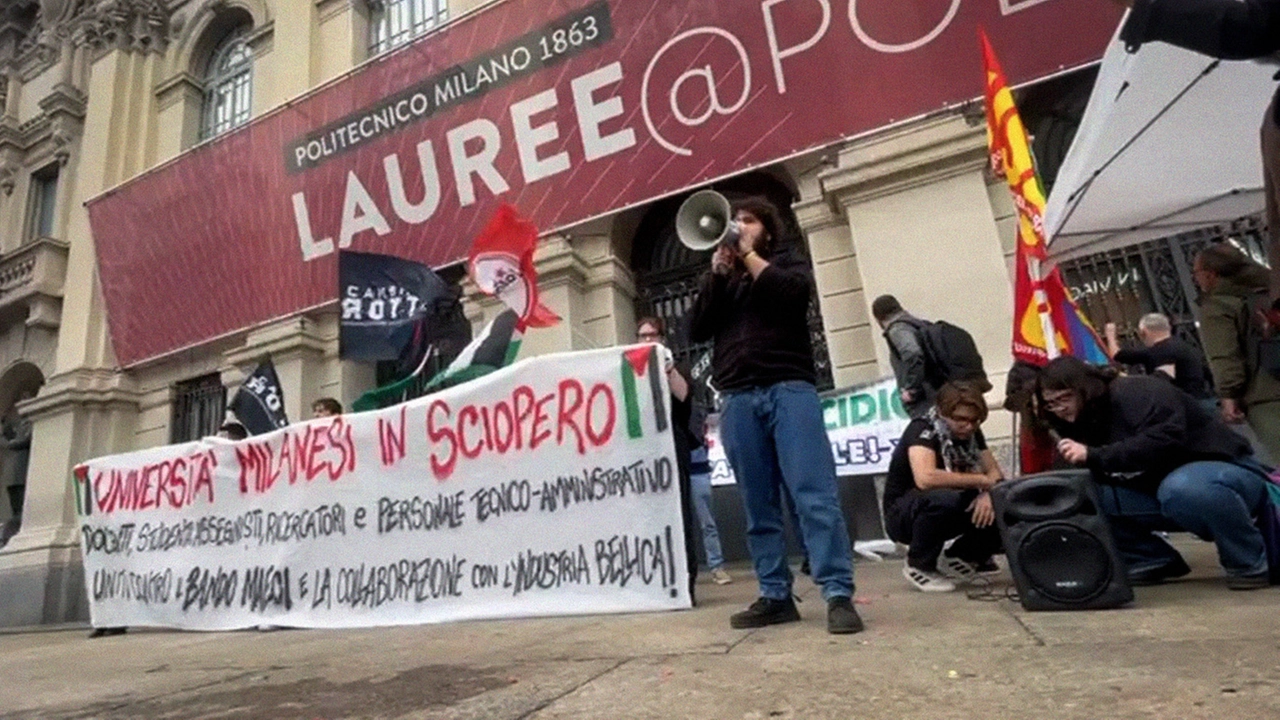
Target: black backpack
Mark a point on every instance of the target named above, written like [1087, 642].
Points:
[1262, 334]
[952, 355]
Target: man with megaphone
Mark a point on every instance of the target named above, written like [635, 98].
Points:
[753, 303]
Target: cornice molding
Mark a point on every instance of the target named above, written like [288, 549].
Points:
[81, 389]
[905, 157]
[283, 340]
[175, 88]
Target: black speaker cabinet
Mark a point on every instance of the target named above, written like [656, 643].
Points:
[1059, 543]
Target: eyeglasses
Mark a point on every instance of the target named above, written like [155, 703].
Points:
[649, 336]
[1058, 402]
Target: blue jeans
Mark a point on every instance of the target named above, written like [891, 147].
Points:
[1214, 500]
[775, 435]
[707, 520]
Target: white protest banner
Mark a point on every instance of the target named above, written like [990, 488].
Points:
[864, 425]
[545, 488]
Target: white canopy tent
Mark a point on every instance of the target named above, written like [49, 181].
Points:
[1169, 142]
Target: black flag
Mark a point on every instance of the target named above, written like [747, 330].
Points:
[259, 403]
[382, 298]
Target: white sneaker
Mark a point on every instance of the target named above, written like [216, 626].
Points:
[721, 576]
[956, 569]
[927, 581]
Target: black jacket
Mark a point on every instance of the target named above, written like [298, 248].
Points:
[1227, 29]
[1144, 428]
[760, 326]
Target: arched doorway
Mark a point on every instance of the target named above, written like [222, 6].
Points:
[667, 273]
[20, 382]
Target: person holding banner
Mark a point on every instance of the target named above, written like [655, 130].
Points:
[753, 303]
[653, 330]
[326, 407]
[936, 491]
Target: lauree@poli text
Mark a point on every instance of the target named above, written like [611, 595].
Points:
[360, 212]
[603, 123]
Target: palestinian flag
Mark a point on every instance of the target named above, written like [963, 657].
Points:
[495, 347]
[642, 362]
[83, 490]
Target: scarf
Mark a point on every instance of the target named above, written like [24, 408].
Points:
[958, 456]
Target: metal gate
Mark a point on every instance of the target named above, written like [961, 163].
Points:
[1122, 285]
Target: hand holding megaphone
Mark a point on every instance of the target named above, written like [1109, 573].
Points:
[723, 259]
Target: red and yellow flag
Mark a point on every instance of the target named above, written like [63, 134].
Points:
[1047, 323]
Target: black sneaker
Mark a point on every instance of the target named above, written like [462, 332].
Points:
[1154, 576]
[842, 618]
[1249, 582]
[988, 566]
[107, 632]
[765, 611]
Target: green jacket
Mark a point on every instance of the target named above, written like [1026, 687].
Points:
[1224, 319]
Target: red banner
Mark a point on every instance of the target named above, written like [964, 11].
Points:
[566, 109]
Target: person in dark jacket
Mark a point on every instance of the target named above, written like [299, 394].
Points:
[907, 355]
[653, 330]
[1162, 352]
[1162, 462]
[753, 304]
[1231, 30]
[936, 491]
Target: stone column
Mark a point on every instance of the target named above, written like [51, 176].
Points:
[297, 350]
[608, 287]
[561, 284]
[342, 38]
[86, 408]
[845, 319]
[920, 216]
[178, 102]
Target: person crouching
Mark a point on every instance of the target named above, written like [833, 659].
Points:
[1162, 462]
[936, 490]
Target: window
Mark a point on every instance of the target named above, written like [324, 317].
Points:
[228, 83]
[199, 407]
[43, 203]
[393, 23]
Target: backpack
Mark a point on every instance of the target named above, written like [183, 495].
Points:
[953, 355]
[1262, 333]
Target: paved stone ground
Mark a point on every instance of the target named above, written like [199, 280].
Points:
[1186, 650]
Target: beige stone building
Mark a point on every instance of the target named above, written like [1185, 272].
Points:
[96, 92]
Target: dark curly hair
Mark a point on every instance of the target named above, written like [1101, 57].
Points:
[767, 213]
[1072, 373]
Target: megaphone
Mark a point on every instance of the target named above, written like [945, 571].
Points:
[705, 221]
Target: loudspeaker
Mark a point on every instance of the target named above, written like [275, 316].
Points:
[1058, 543]
[703, 221]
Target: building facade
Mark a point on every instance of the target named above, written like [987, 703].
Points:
[95, 93]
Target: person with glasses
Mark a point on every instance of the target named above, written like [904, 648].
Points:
[654, 330]
[1162, 462]
[935, 496]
